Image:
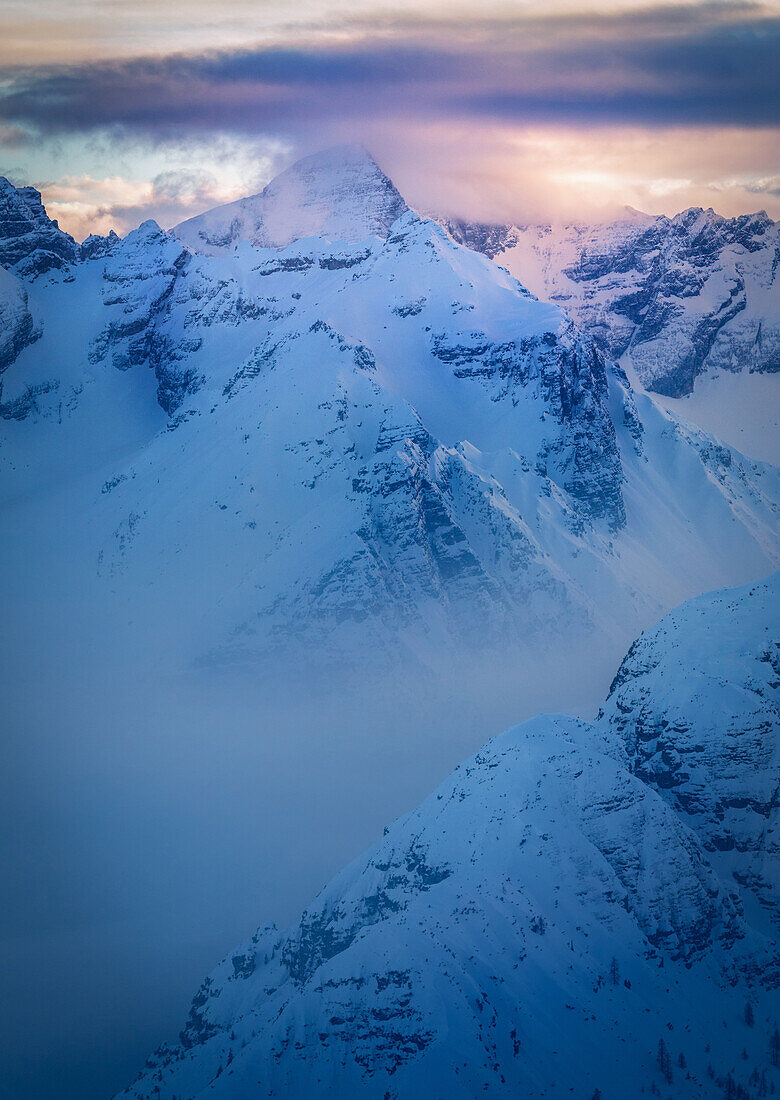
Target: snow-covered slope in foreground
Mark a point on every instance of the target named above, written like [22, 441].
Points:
[384, 447]
[559, 917]
[695, 702]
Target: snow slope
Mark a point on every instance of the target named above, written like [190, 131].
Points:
[559, 917]
[740, 408]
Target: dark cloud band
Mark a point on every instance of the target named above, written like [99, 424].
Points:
[702, 65]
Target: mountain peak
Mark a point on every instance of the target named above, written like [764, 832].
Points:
[27, 234]
[340, 194]
[337, 157]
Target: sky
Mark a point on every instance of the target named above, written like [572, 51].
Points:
[118, 110]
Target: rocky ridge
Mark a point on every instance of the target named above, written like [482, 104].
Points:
[680, 297]
[30, 242]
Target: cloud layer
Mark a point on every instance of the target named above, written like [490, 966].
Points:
[456, 99]
[694, 65]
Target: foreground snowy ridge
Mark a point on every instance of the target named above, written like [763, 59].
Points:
[579, 907]
[372, 439]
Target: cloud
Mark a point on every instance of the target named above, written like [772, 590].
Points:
[539, 173]
[695, 65]
[12, 137]
[83, 204]
[168, 182]
[500, 116]
[769, 186]
[493, 173]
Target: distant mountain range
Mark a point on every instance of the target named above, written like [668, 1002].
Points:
[679, 296]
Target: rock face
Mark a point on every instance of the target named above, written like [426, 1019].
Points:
[137, 294]
[30, 241]
[556, 917]
[340, 195]
[681, 296]
[383, 445]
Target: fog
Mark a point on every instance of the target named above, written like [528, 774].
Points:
[155, 813]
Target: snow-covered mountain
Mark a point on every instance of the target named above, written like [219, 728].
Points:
[372, 440]
[695, 702]
[368, 454]
[683, 296]
[572, 911]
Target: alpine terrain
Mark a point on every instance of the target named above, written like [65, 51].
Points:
[312, 422]
[301, 501]
[688, 304]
